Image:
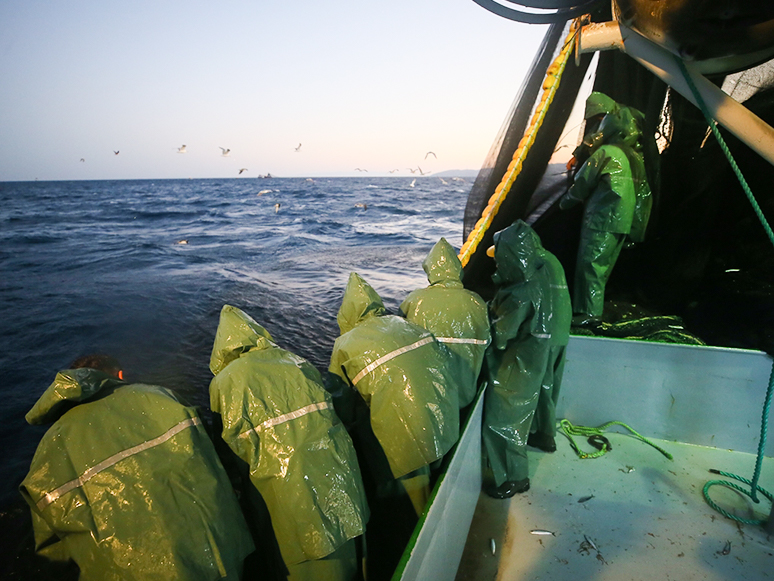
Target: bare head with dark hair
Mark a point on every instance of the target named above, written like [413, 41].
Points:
[100, 362]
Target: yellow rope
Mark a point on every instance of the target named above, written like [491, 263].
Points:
[550, 85]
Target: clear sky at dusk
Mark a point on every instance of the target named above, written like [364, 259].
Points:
[372, 85]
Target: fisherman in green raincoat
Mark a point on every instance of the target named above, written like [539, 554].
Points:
[530, 315]
[402, 374]
[279, 420]
[127, 483]
[617, 201]
[456, 316]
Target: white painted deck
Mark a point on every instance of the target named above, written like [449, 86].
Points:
[702, 404]
[648, 523]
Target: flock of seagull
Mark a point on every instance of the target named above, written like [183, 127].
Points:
[225, 152]
[411, 169]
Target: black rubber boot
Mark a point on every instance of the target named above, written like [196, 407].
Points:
[542, 442]
[506, 489]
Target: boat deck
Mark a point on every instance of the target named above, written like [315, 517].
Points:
[647, 518]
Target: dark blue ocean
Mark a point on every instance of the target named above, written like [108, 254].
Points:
[98, 266]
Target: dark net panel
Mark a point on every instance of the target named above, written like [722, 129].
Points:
[479, 270]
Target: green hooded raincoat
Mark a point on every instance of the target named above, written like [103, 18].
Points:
[456, 316]
[402, 374]
[278, 418]
[128, 485]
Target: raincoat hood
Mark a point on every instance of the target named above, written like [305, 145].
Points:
[620, 129]
[599, 104]
[70, 386]
[442, 265]
[237, 333]
[360, 302]
[516, 253]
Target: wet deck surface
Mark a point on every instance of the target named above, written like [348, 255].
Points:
[647, 518]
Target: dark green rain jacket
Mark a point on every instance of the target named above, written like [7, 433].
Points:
[456, 316]
[127, 484]
[605, 184]
[402, 374]
[279, 419]
[523, 303]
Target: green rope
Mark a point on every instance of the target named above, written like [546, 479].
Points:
[754, 488]
[738, 488]
[571, 430]
[716, 132]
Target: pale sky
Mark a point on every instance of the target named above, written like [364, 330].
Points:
[359, 84]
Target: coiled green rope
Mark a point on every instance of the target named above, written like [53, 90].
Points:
[754, 488]
[571, 430]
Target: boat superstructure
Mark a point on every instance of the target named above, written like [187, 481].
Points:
[704, 275]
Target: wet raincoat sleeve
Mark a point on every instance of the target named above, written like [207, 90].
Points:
[624, 130]
[343, 396]
[560, 304]
[605, 184]
[586, 180]
[512, 318]
[644, 197]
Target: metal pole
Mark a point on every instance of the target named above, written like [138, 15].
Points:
[745, 125]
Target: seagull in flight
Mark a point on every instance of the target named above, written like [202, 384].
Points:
[358, 169]
[298, 148]
[116, 152]
[241, 170]
[411, 170]
[419, 169]
[225, 151]
[181, 149]
[393, 170]
[83, 159]
[431, 153]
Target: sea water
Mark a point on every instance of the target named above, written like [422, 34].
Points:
[141, 269]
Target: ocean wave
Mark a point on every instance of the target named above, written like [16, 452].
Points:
[99, 268]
